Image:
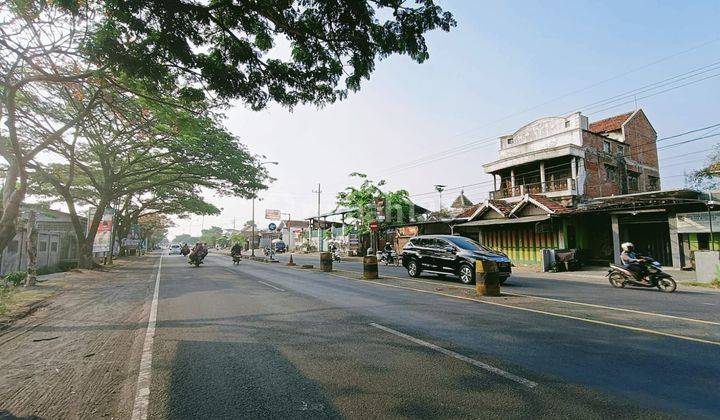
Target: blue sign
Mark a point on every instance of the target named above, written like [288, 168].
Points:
[272, 227]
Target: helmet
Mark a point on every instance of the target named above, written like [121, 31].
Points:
[627, 246]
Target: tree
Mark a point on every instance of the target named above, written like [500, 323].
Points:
[154, 228]
[186, 238]
[398, 207]
[210, 236]
[41, 61]
[707, 178]
[160, 155]
[250, 224]
[228, 47]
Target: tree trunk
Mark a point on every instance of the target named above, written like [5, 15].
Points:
[32, 236]
[85, 254]
[13, 195]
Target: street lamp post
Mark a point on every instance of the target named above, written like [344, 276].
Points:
[252, 240]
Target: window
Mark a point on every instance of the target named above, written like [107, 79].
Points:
[510, 140]
[653, 183]
[703, 240]
[633, 182]
[621, 150]
[607, 148]
[567, 124]
[42, 246]
[468, 244]
[53, 247]
[610, 173]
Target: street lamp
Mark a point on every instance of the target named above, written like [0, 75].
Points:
[252, 239]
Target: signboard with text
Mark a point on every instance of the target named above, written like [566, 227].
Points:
[374, 226]
[272, 214]
[380, 208]
[104, 233]
[698, 222]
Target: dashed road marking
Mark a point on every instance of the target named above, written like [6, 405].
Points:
[570, 302]
[538, 311]
[142, 394]
[519, 379]
[271, 285]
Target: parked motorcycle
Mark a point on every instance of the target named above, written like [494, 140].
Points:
[620, 276]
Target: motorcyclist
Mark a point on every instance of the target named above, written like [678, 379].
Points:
[198, 251]
[387, 250]
[632, 261]
[236, 249]
[185, 250]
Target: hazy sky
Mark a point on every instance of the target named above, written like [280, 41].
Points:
[506, 64]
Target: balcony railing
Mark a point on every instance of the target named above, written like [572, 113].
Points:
[565, 185]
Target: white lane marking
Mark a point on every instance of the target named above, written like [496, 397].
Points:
[142, 394]
[476, 363]
[271, 285]
[537, 311]
[570, 302]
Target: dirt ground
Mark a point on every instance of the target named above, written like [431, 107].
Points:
[77, 352]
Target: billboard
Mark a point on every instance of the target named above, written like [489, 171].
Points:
[698, 222]
[272, 214]
[104, 232]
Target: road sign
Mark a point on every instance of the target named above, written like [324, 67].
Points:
[272, 214]
[272, 227]
[374, 226]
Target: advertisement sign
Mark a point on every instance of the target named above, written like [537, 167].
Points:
[380, 208]
[104, 232]
[407, 231]
[272, 214]
[698, 222]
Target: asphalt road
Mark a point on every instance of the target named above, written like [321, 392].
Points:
[265, 341]
[687, 301]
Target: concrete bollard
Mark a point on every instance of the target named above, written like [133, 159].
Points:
[370, 267]
[326, 261]
[487, 278]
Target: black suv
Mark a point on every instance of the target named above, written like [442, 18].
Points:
[448, 254]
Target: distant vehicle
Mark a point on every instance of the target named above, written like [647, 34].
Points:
[279, 246]
[453, 255]
[174, 249]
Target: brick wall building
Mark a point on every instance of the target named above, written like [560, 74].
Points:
[571, 160]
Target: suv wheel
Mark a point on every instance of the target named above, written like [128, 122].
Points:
[413, 268]
[467, 274]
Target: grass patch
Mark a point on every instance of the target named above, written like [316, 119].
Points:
[6, 298]
[712, 285]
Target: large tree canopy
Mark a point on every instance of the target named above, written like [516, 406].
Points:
[290, 51]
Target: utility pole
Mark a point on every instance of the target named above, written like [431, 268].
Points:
[440, 188]
[318, 192]
[252, 240]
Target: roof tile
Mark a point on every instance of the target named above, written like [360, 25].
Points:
[609, 124]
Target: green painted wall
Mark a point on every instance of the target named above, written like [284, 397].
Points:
[694, 245]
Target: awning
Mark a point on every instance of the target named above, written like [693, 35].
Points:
[513, 220]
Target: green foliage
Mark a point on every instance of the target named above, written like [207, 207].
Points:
[185, 238]
[16, 278]
[238, 238]
[210, 236]
[227, 46]
[398, 207]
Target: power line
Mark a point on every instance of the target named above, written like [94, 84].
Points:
[634, 70]
[441, 155]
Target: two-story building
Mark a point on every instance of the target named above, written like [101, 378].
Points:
[569, 159]
[565, 182]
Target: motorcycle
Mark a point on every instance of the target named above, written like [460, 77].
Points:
[184, 251]
[196, 259]
[336, 255]
[236, 259]
[389, 258]
[620, 276]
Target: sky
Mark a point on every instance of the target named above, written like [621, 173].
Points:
[503, 66]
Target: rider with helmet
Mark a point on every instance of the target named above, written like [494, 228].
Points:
[632, 261]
